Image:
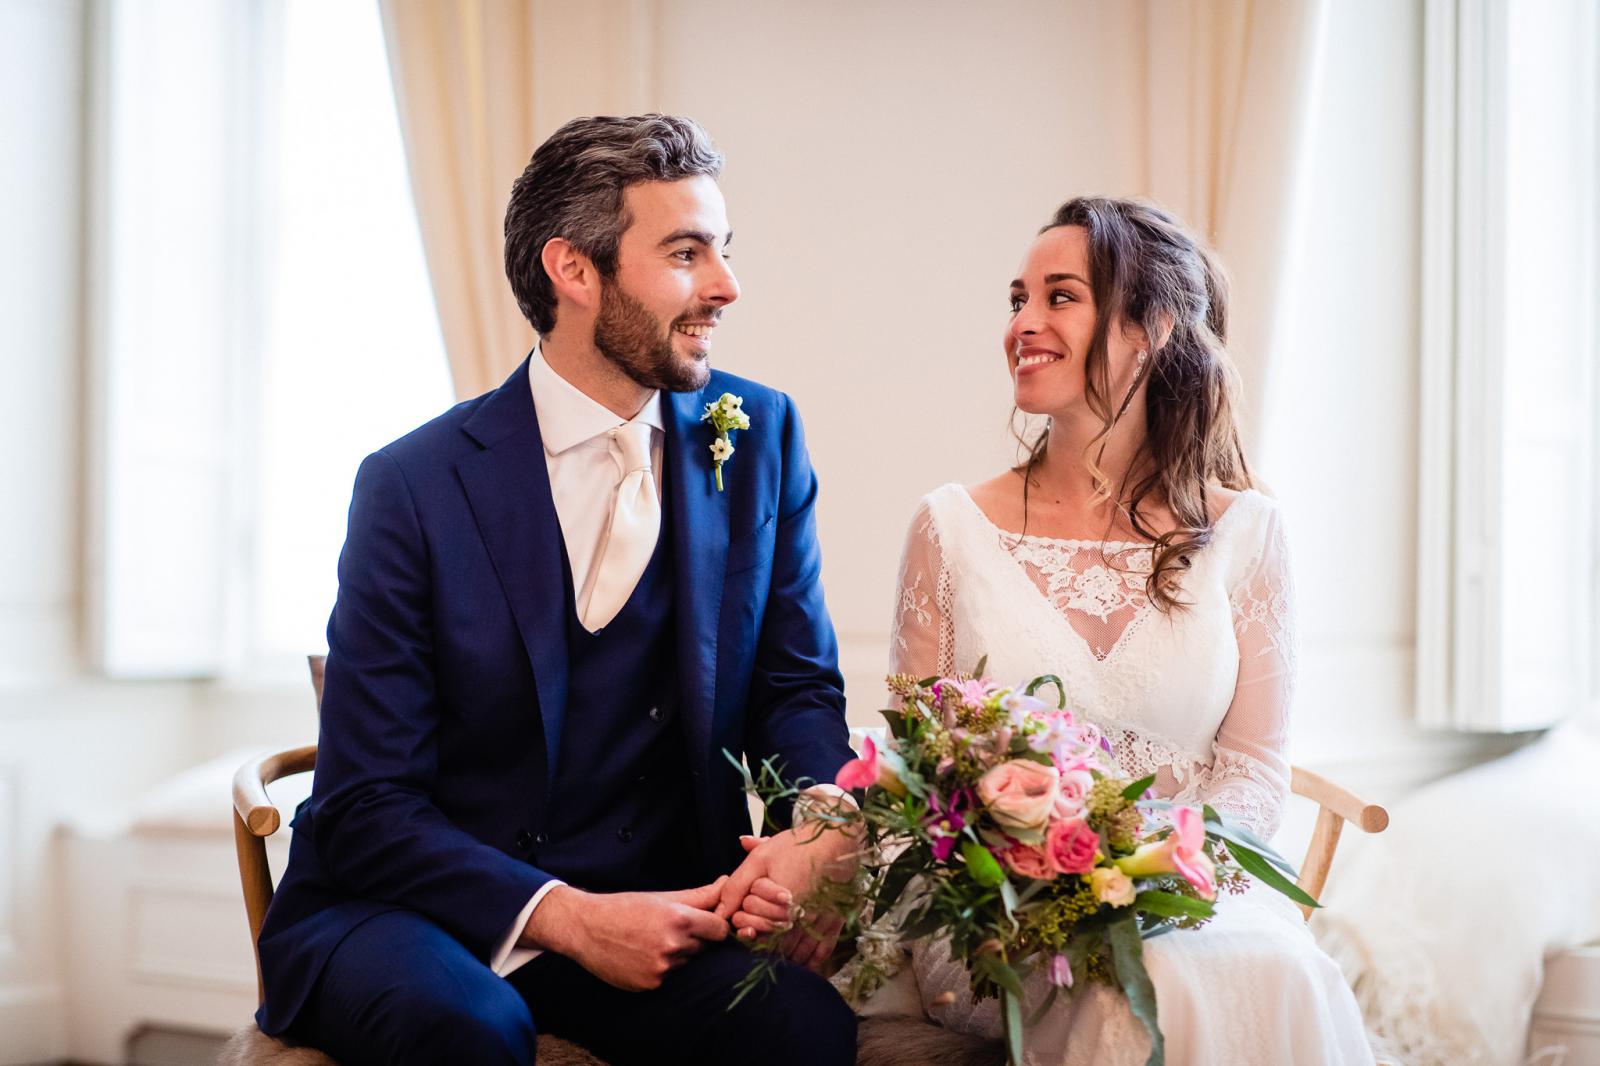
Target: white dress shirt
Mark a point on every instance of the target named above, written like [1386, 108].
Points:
[583, 481]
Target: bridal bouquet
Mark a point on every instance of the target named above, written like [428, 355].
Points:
[1001, 823]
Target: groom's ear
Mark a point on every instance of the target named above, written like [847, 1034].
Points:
[572, 274]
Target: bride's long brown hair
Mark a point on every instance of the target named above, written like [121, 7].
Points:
[1147, 269]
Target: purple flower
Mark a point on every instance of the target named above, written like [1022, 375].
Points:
[944, 822]
[1060, 971]
[1021, 706]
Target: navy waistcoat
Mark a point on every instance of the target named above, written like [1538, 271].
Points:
[622, 814]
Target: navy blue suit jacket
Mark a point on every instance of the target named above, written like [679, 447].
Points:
[446, 690]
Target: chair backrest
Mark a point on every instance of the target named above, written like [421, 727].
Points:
[255, 818]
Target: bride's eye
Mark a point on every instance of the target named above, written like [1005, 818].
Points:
[1016, 303]
[1060, 296]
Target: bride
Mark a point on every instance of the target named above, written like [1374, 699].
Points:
[1130, 555]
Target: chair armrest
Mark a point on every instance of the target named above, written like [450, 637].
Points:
[250, 783]
[1369, 817]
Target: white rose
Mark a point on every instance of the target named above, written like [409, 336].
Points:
[1111, 886]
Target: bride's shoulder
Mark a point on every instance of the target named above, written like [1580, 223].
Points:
[1244, 522]
[939, 504]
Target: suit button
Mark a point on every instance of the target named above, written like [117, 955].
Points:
[524, 838]
[542, 838]
[655, 714]
[624, 834]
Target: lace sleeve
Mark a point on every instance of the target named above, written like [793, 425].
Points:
[1249, 773]
[922, 640]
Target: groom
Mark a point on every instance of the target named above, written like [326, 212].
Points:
[551, 624]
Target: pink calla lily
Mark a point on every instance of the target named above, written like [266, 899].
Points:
[1188, 851]
[862, 772]
[1181, 851]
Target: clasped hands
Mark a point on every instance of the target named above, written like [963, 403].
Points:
[632, 940]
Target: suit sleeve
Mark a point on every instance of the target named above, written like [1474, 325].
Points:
[797, 692]
[376, 829]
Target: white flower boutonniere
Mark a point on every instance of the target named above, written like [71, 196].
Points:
[725, 416]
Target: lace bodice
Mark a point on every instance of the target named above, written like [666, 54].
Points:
[1199, 696]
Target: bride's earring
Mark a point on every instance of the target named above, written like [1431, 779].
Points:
[1139, 367]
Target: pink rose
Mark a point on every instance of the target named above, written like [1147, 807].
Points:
[1071, 846]
[1029, 861]
[1073, 792]
[1019, 793]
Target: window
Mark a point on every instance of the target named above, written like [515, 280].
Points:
[1507, 592]
[262, 320]
[351, 356]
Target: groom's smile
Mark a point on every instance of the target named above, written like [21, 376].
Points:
[671, 284]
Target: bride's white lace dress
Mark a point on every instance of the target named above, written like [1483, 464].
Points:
[1199, 697]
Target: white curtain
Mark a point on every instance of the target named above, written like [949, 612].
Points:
[1228, 86]
[479, 83]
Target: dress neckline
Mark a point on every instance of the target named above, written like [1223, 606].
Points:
[1087, 542]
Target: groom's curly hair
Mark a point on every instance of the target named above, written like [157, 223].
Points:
[1147, 269]
[572, 188]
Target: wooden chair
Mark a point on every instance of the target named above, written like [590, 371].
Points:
[255, 819]
[1337, 806]
[883, 1041]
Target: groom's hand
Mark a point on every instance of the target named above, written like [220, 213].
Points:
[628, 939]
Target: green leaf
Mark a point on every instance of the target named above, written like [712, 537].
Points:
[977, 671]
[1263, 871]
[1011, 1002]
[896, 762]
[894, 883]
[981, 865]
[1002, 973]
[1127, 956]
[1044, 1008]
[1049, 679]
[1238, 834]
[1135, 790]
[744, 771]
[1030, 890]
[1008, 897]
[1172, 905]
[897, 722]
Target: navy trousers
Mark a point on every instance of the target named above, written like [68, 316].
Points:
[400, 990]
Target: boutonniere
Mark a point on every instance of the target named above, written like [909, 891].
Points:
[726, 415]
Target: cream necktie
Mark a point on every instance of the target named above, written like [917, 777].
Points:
[635, 525]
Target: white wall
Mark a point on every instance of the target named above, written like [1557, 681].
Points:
[885, 174]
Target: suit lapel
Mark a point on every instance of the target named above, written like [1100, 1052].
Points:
[700, 552]
[508, 487]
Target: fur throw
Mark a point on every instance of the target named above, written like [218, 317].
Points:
[881, 1042]
[251, 1047]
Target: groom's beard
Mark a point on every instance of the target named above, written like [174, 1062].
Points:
[629, 335]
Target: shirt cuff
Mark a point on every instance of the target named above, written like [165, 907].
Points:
[508, 956]
[819, 797]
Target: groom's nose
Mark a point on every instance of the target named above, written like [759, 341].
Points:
[721, 287]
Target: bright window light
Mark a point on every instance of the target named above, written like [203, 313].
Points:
[351, 354]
